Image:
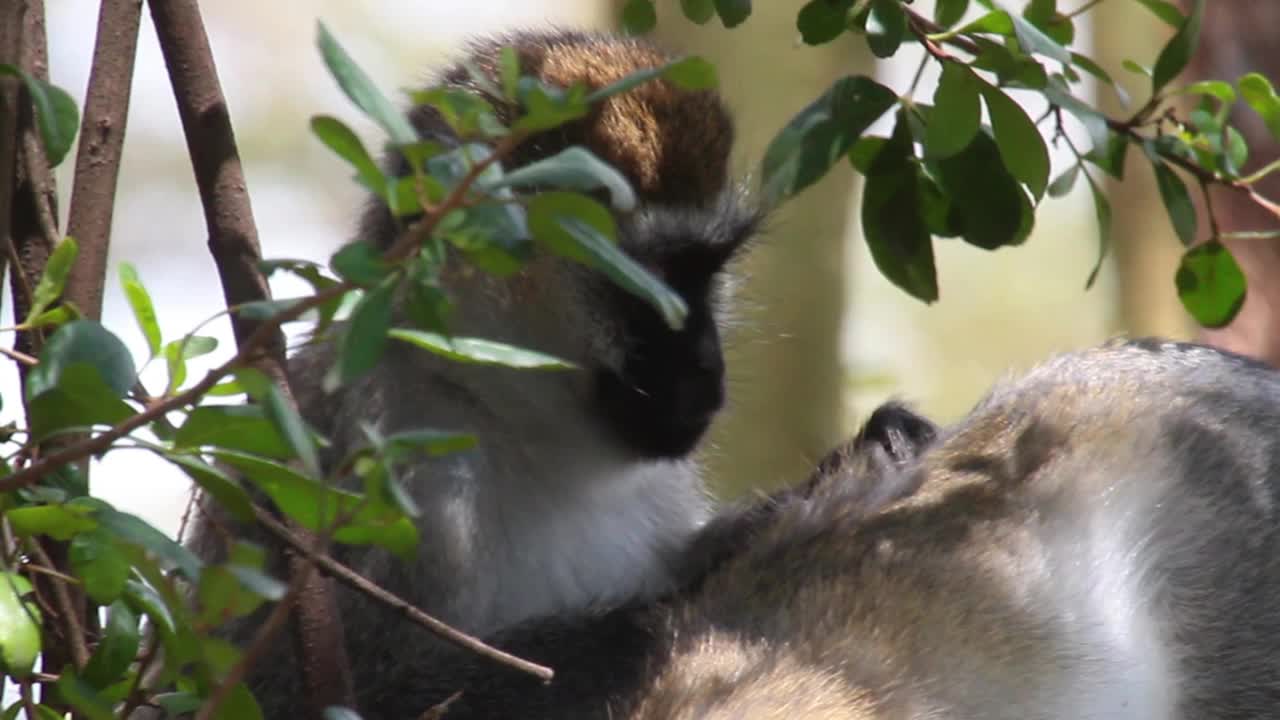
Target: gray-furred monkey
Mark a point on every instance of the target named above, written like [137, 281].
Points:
[581, 491]
[1097, 539]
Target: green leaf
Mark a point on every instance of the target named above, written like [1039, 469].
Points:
[316, 505]
[95, 559]
[177, 352]
[949, 12]
[1022, 148]
[990, 204]
[1064, 182]
[699, 11]
[60, 522]
[144, 311]
[549, 107]
[117, 648]
[575, 168]
[361, 263]
[365, 336]
[1033, 41]
[957, 112]
[1177, 53]
[996, 22]
[465, 111]
[240, 705]
[1177, 201]
[892, 218]
[19, 625]
[733, 12]
[1088, 65]
[508, 71]
[220, 486]
[638, 17]
[432, 443]
[347, 145]
[1210, 284]
[58, 316]
[1102, 213]
[1214, 88]
[284, 416]
[821, 21]
[1236, 152]
[360, 89]
[820, 134]
[239, 427]
[86, 700]
[1166, 11]
[144, 599]
[83, 342]
[688, 73]
[80, 399]
[54, 277]
[583, 230]
[479, 350]
[135, 531]
[887, 28]
[56, 114]
[1261, 96]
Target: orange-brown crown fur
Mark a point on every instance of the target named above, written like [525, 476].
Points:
[672, 144]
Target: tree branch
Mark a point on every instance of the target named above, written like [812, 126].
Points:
[102, 129]
[363, 585]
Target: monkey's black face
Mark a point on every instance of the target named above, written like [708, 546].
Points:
[671, 383]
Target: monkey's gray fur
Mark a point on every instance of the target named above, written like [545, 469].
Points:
[1097, 539]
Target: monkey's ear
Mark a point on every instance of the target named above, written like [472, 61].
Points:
[898, 431]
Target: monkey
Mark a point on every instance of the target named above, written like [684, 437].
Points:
[583, 486]
[602, 658]
[1096, 538]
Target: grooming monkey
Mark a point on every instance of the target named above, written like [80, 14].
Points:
[1097, 539]
[582, 491]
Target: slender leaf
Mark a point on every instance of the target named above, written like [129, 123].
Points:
[575, 168]
[56, 114]
[120, 641]
[479, 350]
[819, 135]
[54, 277]
[1022, 148]
[1177, 53]
[583, 230]
[957, 112]
[361, 90]
[1261, 96]
[144, 311]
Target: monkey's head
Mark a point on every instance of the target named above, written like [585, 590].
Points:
[656, 388]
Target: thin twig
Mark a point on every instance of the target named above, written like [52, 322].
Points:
[19, 356]
[358, 582]
[66, 609]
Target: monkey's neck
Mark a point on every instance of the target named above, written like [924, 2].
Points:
[548, 514]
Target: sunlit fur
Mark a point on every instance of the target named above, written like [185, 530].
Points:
[582, 487]
[1097, 540]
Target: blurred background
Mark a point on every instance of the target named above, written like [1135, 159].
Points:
[823, 337]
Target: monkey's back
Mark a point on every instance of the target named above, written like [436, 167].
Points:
[1097, 539]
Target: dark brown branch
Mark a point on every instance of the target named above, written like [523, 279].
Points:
[102, 128]
[233, 242]
[363, 585]
[67, 609]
